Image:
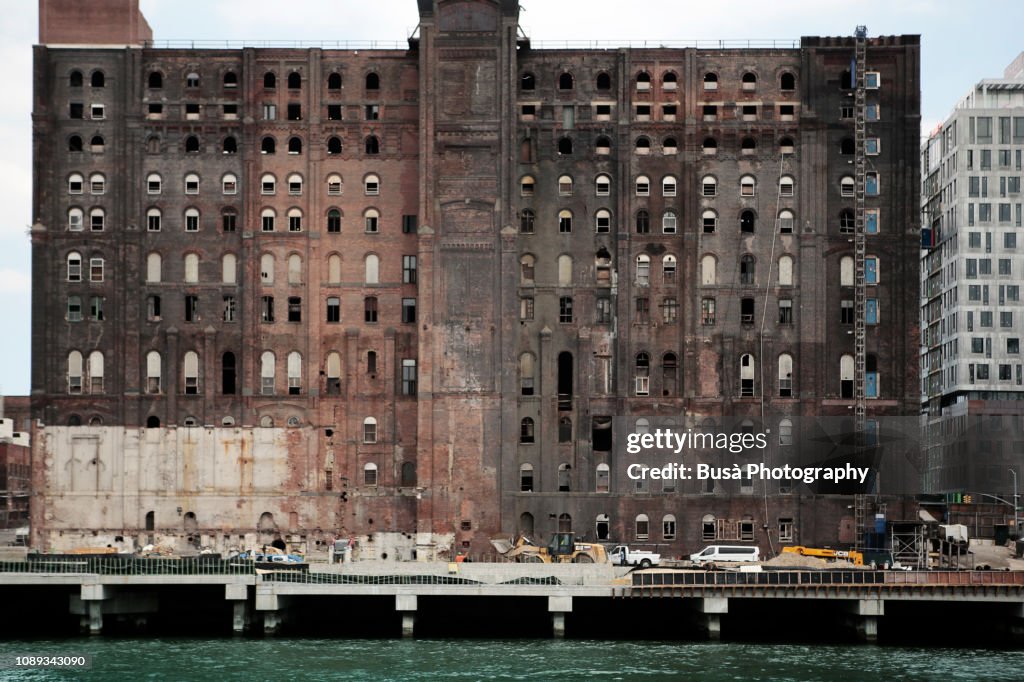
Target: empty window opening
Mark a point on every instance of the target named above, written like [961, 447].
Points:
[526, 430]
[565, 381]
[786, 221]
[155, 80]
[191, 373]
[565, 81]
[747, 266]
[192, 144]
[785, 377]
[372, 81]
[846, 372]
[564, 482]
[747, 376]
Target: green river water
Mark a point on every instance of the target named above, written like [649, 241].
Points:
[125, 659]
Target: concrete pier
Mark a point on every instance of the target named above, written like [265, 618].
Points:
[558, 606]
[864, 615]
[567, 598]
[711, 610]
[405, 604]
[238, 595]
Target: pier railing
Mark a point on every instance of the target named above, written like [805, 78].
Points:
[128, 565]
[863, 578]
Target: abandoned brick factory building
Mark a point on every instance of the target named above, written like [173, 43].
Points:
[401, 295]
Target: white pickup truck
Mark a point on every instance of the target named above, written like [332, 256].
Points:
[624, 556]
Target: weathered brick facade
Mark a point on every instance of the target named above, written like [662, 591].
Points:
[420, 314]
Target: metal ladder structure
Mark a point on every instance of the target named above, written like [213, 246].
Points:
[859, 240]
[861, 502]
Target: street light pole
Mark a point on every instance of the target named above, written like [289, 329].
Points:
[1016, 527]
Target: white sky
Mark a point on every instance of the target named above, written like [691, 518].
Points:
[962, 42]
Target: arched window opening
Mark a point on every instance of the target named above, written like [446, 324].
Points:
[564, 478]
[785, 375]
[846, 372]
[708, 267]
[526, 431]
[267, 372]
[747, 222]
[643, 527]
[191, 373]
[747, 270]
[526, 374]
[785, 271]
[747, 366]
[526, 478]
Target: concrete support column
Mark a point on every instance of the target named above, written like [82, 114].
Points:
[271, 605]
[91, 607]
[865, 614]
[558, 607]
[238, 594]
[711, 609]
[406, 605]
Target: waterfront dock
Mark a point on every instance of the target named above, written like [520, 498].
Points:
[412, 598]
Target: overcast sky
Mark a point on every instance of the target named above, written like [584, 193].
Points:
[962, 42]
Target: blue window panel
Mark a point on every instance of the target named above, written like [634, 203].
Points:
[871, 384]
[871, 270]
[871, 311]
[871, 432]
[871, 222]
[871, 187]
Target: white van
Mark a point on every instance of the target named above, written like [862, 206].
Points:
[723, 553]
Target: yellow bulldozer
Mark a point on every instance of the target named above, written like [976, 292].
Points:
[563, 549]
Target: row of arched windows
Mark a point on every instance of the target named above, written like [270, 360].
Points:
[97, 79]
[229, 145]
[155, 80]
[229, 268]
